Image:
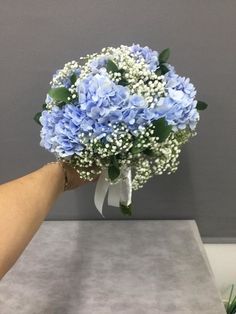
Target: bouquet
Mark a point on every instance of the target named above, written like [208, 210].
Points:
[123, 114]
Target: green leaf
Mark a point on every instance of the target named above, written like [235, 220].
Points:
[114, 161]
[135, 149]
[126, 210]
[113, 169]
[44, 106]
[158, 72]
[61, 104]
[113, 172]
[229, 301]
[164, 55]
[164, 69]
[73, 78]
[201, 105]
[37, 117]
[122, 71]
[149, 152]
[59, 94]
[111, 66]
[123, 82]
[161, 129]
[231, 309]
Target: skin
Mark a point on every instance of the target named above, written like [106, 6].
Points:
[24, 204]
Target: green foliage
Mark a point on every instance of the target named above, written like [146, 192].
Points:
[164, 55]
[201, 105]
[44, 106]
[111, 66]
[164, 69]
[61, 104]
[59, 94]
[158, 72]
[149, 152]
[230, 305]
[38, 114]
[37, 117]
[161, 129]
[126, 210]
[137, 147]
[122, 71]
[73, 78]
[113, 169]
[123, 82]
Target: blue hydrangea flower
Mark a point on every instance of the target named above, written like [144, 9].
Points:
[102, 100]
[98, 63]
[49, 101]
[102, 104]
[108, 103]
[179, 106]
[60, 129]
[150, 56]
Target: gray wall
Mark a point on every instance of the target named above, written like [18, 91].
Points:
[37, 37]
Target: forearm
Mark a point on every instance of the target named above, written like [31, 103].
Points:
[24, 204]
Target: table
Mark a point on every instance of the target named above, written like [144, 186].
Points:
[110, 267]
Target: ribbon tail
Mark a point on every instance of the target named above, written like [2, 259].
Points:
[121, 192]
[126, 188]
[118, 193]
[114, 191]
[101, 191]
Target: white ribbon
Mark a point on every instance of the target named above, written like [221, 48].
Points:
[120, 192]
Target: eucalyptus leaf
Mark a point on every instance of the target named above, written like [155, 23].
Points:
[158, 72]
[161, 129]
[114, 161]
[123, 82]
[122, 71]
[164, 55]
[111, 66]
[59, 94]
[61, 104]
[126, 210]
[37, 117]
[164, 69]
[201, 105]
[113, 172]
[73, 78]
[136, 150]
[149, 152]
[113, 169]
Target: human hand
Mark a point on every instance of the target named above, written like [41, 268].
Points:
[72, 178]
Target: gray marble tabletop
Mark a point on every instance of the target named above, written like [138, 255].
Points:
[105, 267]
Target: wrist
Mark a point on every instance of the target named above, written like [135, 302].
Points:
[58, 172]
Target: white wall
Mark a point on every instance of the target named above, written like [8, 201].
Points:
[222, 258]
